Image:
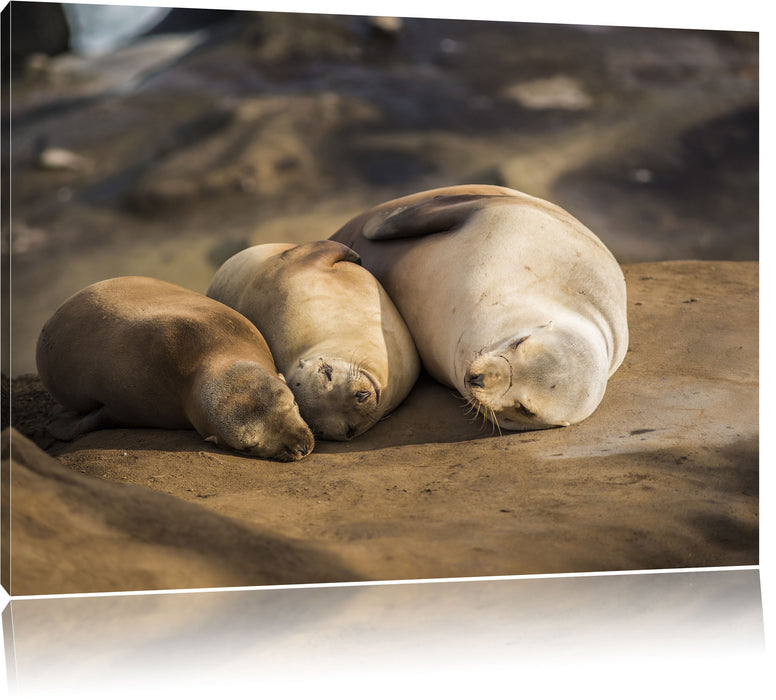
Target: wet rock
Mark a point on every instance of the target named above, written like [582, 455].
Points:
[52, 158]
[271, 147]
[663, 192]
[558, 92]
[188, 19]
[389, 26]
[57, 83]
[25, 239]
[37, 28]
[283, 43]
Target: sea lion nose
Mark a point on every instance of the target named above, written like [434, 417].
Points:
[301, 450]
[476, 380]
[490, 373]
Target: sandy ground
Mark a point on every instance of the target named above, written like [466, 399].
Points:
[664, 474]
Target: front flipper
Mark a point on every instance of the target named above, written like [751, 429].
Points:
[71, 425]
[325, 253]
[440, 214]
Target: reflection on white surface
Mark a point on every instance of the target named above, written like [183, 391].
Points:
[475, 636]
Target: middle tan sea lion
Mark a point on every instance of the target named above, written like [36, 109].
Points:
[140, 352]
[509, 298]
[344, 349]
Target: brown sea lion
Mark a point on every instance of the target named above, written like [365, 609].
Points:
[140, 352]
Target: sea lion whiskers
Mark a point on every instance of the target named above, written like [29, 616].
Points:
[494, 422]
[471, 405]
[486, 413]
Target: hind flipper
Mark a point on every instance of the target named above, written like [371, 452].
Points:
[72, 425]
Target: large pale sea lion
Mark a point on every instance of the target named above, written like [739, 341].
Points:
[509, 298]
[344, 349]
[140, 352]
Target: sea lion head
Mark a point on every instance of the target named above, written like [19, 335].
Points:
[251, 409]
[337, 398]
[545, 377]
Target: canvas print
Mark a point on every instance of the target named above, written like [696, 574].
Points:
[301, 298]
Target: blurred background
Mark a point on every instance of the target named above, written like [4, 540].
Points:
[160, 142]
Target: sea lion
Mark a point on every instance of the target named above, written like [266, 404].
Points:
[140, 352]
[344, 349]
[510, 299]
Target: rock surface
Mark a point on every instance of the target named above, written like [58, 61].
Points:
[76, 534]
[664, 474]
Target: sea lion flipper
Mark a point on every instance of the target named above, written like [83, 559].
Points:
[326, 253]
[440, 214]
[69, 426]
